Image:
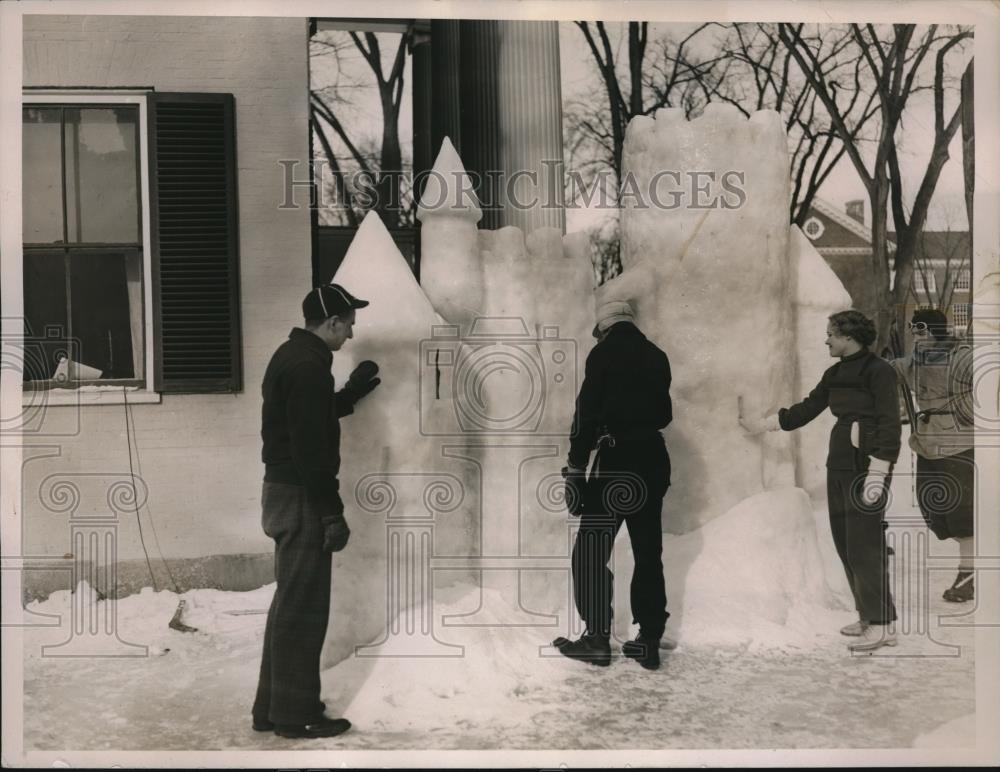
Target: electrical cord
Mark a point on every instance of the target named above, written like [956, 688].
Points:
[135, 495]
[152, 525]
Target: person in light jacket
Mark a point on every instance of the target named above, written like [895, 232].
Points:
[939, 372]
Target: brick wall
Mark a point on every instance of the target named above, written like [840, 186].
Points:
[199, 454]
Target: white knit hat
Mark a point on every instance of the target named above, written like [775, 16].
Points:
[611, 312]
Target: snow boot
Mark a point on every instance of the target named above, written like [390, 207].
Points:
[962, 590]
[874, 637]
[645, 651]
[854, 628]
[325, 727]
[590, 647]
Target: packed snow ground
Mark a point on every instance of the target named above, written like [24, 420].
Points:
[737, 679]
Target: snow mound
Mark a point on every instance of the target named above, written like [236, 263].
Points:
[497, 675]
[753, 577]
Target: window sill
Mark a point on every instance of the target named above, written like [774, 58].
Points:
[90, 395]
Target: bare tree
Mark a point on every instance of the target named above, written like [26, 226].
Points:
[760, 75]
[367, 177]
[895, 59]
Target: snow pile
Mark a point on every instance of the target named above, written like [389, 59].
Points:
[501, 677]
[754, 577]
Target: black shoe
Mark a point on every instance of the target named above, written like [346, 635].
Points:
[645, 651]
[263, 725]
[963, 590]
[326, 727]
[595, 649]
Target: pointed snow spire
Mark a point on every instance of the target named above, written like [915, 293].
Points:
[374, 269]
[448, 191]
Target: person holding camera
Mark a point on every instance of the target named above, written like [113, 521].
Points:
[623, 404]
[939, 372]
[861, 391]
[302, 508]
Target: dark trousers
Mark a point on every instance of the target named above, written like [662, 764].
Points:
[860, 541]
[629, 489]
[946, 491]
[288, 687]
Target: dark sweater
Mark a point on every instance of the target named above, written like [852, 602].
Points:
[299, 420]
[860, 387]
[625, 391]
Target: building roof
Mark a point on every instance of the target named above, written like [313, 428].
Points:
[941, 245]
[839, 234]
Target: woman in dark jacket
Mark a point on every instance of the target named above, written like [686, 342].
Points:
[861, 391]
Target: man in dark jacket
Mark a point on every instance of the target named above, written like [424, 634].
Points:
[302, 509]
[623, 404]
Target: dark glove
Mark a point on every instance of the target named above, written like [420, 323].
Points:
[362, 380]
[335, 535]
[575, 481]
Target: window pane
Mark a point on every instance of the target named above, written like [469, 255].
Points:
[102, 202]
[45, 313]
[42, 175]
[105, 291]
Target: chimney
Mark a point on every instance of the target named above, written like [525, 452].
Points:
[856, 210]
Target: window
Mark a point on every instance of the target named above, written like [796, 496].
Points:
[924, 280]
[84, 266]
[963, 281]
[960, 316]
[131, 259]
[813, 228]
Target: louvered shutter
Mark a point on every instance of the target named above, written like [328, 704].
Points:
[195, 243]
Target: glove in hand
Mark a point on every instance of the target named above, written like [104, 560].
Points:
[335, 535]
[362, 379]
[574, 482]
[874, 484]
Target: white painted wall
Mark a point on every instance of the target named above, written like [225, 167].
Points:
[199, 454]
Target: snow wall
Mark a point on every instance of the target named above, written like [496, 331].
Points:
[709, 273]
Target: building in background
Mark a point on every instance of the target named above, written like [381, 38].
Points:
[941, 273]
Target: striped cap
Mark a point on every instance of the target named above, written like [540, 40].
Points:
[329, 300]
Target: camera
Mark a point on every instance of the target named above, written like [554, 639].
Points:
[497, 379]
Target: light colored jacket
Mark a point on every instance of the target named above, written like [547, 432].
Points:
[939, 373]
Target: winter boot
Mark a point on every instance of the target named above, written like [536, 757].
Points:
[325, 727]
[590, 647]
[854, 628]
[874, 637]
[645, 651]
[963, 589]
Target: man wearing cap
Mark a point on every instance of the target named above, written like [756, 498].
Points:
[623, 404]
[302, 509]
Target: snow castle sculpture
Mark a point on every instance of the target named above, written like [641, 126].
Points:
[453, 465]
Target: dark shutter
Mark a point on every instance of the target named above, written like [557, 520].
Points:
[195, 241]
